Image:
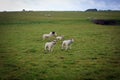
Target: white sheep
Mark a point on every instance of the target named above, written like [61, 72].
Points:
[67, 44]
[59, 37]
[51, 34]
[49, 45]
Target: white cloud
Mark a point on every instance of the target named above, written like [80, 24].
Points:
[55, 4]
[58, 4]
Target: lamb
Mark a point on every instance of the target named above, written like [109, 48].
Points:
[59, 37]
[51, 34]
[49, 45]
[67, 44]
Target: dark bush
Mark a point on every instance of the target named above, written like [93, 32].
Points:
[106, 22]
[91, 10]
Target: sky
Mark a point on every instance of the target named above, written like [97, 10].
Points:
[58, 5]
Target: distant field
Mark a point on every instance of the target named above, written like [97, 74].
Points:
[95, 54]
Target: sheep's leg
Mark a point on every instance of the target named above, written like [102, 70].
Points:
[45, 37]
[66, 47]
[45, 48]
[51, 50]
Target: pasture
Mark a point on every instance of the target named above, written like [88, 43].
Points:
[95, 54]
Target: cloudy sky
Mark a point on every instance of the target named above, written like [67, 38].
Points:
[58, 5]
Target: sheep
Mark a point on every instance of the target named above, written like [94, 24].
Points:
[51, 34]
[67, 44]
[59, 37]
[49, 45]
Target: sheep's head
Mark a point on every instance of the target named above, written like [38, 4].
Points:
[53, 33]
[54, 42]
[72, 40]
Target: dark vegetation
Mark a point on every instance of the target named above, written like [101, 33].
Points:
[91, 10]
[106, 22]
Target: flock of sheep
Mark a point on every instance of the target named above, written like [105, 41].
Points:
[66, 44]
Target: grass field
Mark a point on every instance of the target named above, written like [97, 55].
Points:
[95, 54]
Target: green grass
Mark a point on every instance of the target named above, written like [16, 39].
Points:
[94, 55]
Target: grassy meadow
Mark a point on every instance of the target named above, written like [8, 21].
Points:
[95, 54]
